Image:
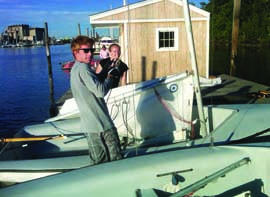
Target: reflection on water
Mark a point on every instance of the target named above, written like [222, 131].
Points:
[252, 63]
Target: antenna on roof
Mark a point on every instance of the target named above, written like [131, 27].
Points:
[124, 2]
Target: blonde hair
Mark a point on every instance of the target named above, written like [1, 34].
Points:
[115, 45]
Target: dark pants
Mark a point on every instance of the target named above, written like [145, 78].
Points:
[104, 146]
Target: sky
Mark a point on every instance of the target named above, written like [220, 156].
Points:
[62, 16]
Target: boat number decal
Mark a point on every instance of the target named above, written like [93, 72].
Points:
[173, 88]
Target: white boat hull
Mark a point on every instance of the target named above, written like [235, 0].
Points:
[229, 123]
[17, 171]
[226, 122]
[138, 112]
[205, 171]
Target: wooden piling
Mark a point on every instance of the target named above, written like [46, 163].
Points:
[87, 32]
[53, 111]
[79, 29]
[235, 32]
[48, 53]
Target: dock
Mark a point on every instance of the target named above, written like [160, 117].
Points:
[232, 90]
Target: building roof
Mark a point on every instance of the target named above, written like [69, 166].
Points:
[101, 18]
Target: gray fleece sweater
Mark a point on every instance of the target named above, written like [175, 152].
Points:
[89, 94]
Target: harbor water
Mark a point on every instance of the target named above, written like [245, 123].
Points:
[252, 63]
[26, 97]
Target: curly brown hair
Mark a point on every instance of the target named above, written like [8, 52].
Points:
[81, 40]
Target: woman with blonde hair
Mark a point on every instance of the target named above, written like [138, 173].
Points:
[113, 61]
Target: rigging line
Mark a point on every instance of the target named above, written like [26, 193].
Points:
[124, 117]
[251, 137]
[3, 149]
[175, 114]
[135, 117]
[173, 38]
[212, 52]
[116, 112]
[109, 94]
[114, 104]
[60, 130]
[125, 40]
[132, 70]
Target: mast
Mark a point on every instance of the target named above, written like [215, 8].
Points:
[196, 81]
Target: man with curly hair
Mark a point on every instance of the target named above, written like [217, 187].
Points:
[89, 92]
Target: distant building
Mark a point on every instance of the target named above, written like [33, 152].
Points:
[17, 32]
[22, 33]
[36, 34]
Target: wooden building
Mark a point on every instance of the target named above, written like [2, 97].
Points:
[153, 37]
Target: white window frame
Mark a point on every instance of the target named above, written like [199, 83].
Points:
[176, 38]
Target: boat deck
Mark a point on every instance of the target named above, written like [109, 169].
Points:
[233, 90]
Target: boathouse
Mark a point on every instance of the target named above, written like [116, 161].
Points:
[153, 37]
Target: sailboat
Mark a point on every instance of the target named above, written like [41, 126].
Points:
[231, 170]
[39, 150]
[229, 157]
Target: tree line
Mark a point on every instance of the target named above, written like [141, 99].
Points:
[254, 26]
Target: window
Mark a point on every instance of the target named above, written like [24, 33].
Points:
[167, 39]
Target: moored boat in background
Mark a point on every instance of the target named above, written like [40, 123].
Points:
[106, 41]
[68, 65]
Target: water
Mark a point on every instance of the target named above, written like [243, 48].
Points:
[252, 63]
[25, 97]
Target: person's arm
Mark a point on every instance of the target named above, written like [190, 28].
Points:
[93, 84]
[123, 79]
[107, 64]
[98, 69]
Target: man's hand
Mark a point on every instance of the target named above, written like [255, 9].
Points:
[113, 63]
